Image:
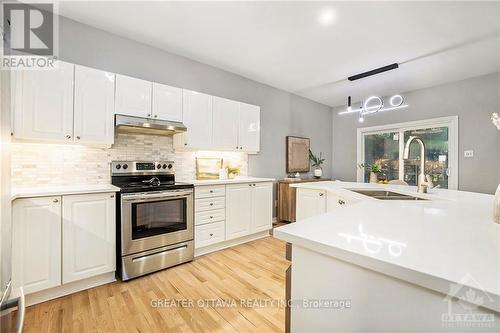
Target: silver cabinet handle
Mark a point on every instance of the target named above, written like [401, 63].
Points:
[321, 194]
[112, 196]
[211, 191]
[55, 201]
[341, 202]
[68, 136]
[18, 302]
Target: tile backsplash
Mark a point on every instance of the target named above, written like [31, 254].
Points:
[54, 164]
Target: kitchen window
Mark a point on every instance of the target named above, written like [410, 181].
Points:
[384, 145]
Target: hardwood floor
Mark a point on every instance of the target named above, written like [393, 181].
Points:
[254, 271]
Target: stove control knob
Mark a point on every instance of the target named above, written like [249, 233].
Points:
[158, 166]
[164, 166]
[125, 166]
[170, 166]
[118, 166]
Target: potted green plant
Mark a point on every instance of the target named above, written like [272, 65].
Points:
[316, 162]
[374, 168]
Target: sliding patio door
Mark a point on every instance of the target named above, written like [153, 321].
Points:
[384, 145]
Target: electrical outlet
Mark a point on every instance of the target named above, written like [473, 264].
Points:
[468, 153]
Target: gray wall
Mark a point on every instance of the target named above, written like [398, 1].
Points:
[472, 100]
[282, 113]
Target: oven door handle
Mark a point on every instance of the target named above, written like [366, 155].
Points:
[163, 195]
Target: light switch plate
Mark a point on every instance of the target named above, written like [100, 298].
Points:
[468, 153]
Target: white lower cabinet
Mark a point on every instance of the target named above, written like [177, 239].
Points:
[238, 210]
[88, 233]
[310, 203]
[262, 207]
[248, 209]
[209, 234]
[36, 243]
[227, 212]
[57, 239]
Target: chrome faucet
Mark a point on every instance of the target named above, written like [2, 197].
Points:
[422, 183]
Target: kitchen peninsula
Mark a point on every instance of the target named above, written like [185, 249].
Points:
[431, 258]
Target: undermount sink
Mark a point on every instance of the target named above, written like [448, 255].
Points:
[386, 195]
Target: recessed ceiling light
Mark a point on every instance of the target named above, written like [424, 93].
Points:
[327, 16]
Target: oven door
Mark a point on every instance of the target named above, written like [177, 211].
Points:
[154, 219]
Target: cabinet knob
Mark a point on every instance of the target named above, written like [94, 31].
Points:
[211, 204]
[211, 191]
[211, 217]
[249, 184]
[68, 136]
[341, 202]
[185, 144]
[241, 147]
[55, 201]
[149, 114]
[156, 116]
[112, 196]
[211, 235]
[237, 147]
[321, 194]
[78, 138]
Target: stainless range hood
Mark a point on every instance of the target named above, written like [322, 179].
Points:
[128, 124]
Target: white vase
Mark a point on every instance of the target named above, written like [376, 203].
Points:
[373, 177]
[496, 206]
[318, 173]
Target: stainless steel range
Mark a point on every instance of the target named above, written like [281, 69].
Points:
[154, 218]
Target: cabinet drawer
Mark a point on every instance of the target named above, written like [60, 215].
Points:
[209, 234]
[209, 204]
[209, 216]
[210, 191]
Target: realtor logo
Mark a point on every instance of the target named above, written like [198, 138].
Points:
[30, 29]
[464, 299]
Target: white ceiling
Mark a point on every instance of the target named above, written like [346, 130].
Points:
[283, 44]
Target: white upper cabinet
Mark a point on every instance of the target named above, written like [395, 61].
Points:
[133, 96]
[262, 209]
[36, 243]
[225, 123]
[43, 103]
[167, 102]
[88, 234]
[94, 106]
[249, 128]
[197, 114]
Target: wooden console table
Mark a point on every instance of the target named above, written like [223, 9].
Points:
[286, 197]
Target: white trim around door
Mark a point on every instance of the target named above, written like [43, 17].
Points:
[450, 122]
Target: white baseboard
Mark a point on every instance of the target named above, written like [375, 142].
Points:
[69, 288]
[225, 244]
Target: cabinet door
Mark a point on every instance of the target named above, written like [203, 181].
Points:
[36, 243]
[133, 96]
[197, 114]
[43, 103]
[262, 207]
[249, 128]
[167, 102]
[94, 106]
[88, 237]
[238, 210]
[310, 203]
[225, 124]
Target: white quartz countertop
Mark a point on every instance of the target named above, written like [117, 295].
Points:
[229, 181]
[449, 239]
[45, 191]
